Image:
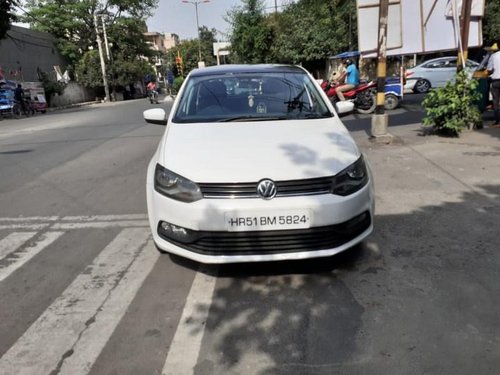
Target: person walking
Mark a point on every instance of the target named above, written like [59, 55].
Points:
[494, 72]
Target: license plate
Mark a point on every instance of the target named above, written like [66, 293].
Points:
[289, 219]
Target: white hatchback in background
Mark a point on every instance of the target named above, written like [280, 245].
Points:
[255, 165]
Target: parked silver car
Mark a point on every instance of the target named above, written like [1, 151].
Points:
[434, 73]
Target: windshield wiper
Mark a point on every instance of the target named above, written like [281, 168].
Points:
[252, 118]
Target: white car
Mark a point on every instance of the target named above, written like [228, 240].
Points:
[434, 73]
[255, 165]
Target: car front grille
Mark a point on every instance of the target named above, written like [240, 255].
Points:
[275, 241]
[311, 186]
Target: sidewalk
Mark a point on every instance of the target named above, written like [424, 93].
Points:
[416, 170]
[430, 270]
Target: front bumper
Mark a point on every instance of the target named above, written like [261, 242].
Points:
[337, 224]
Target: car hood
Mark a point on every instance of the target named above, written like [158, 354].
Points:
[251, 151]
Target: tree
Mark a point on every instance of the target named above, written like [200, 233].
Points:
[305, 31]
[72, 23]
[251, 37]
[313, 29]
[491, 22]
[207, 39]
[6, 16]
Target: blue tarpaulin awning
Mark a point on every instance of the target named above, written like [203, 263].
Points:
[345, 55]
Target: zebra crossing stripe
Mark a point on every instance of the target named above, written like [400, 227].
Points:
[100, 224]
[55, 335]
[23, 256]
[93, 339]
[13, 241]
[186, 344]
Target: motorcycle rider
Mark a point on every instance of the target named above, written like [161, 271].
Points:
[151, 87]
[350, 76]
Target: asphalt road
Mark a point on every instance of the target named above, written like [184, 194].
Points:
[83, 291]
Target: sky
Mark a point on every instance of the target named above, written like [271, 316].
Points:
[174, 16]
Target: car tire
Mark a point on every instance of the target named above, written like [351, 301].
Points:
[391, 102]
[422, 86]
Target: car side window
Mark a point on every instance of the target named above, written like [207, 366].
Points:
[451, 64]
[433, 65]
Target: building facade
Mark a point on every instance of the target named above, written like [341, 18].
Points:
[24, 53]
[161, 42]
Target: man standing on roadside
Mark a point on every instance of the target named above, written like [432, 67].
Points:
[494, 72]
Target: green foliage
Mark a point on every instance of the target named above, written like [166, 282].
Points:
[6, 16]
[72, 23]
[251, 35]
[123, 71]
[305, 31]
[450, 109]
[50, 87]
[491, 22]
[207, 39]
[177, 84]
[88, 69]
[310, 30]
[189, 51]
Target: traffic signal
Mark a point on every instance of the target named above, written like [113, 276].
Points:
[178, 62]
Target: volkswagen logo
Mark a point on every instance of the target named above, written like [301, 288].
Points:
[266, 189]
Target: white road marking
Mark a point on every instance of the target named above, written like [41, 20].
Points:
[185, 347]
[52, 338]
[95, 337]
[29, 218]
[73, 222]
[105, 217]
[13, 241]
[100, 224]
[21, 257]
[24, 226]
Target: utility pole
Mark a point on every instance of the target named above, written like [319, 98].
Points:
[380, 119]
[275, 6]
[195, 3]
[464, 34]
[103, 64]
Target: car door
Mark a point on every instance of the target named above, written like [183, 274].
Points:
[442, 71]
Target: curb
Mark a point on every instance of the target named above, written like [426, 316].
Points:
[75, 105]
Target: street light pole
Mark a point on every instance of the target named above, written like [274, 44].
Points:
[195, 3]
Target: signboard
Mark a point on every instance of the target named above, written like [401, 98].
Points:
[221, 48]
[417, 26]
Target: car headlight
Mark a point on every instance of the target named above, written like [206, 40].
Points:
[351, 179]
[176, 187]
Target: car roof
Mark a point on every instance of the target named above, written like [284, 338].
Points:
[450, 58]
[247, 68]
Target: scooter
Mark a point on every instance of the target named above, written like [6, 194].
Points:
[362, 96]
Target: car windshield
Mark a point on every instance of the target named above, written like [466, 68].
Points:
[250, 97]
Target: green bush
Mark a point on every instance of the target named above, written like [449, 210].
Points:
[177, 84]
[450, 109]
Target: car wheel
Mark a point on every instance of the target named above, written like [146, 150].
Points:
[391, 102]
[422, 86]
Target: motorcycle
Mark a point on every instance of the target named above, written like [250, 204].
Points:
[153, 96]
[362, 96]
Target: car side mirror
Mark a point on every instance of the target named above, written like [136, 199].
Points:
[155, 116]
[344, 107]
